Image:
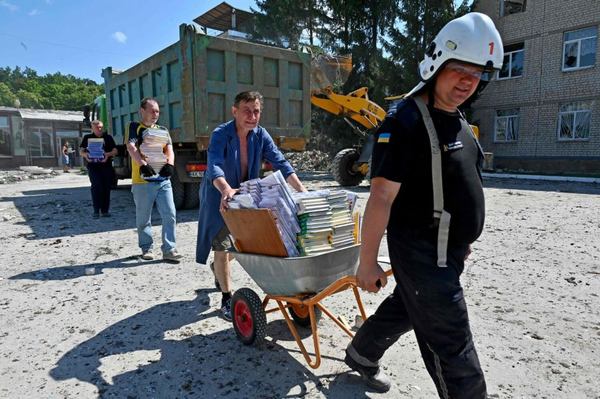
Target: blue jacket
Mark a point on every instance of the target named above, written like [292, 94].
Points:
[224, 160]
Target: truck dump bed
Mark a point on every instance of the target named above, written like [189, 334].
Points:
[196, 79]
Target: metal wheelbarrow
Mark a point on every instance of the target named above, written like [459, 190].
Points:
[297, 285]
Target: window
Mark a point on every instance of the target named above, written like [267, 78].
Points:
[511, 6]
[574, 120]
[506, 126]
[512, 66]
[4, 136]
[579, 49]
[41, 143]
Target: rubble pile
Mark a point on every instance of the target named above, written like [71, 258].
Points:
[26, 173]
[308, 161]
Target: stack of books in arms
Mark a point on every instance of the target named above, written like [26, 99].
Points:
[95, 149]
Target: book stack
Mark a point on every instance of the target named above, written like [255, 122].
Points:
[326, 220]
[314, 217]
[253, 189]
[95, 149]
[152, 151]
[342, 222]
[309, 223]
[272, 193]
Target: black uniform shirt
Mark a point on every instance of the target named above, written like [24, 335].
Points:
[108, 146]
[402, 154]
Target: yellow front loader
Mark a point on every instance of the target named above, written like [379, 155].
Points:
[350, 165]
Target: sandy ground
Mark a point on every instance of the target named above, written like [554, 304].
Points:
[136, 329]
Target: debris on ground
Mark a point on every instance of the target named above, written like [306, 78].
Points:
[308, 161]
[26, 173]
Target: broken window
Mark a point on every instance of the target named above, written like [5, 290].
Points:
[574, 120]
[512, 66]
[511, 7]
[506, 125]
[579, 48]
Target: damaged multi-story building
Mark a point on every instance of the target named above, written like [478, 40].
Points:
[541, 112]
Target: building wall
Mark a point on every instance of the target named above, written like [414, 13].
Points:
[21, 141]
[542, 88]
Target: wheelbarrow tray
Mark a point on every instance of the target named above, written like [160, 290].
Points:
[299, 275]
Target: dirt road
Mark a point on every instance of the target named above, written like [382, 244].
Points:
[135, 329]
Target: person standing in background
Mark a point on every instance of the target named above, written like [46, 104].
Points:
[100, 170]
[65, 157]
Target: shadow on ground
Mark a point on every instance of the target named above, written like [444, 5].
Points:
[68, 211]
[77, 271]
[160, 353]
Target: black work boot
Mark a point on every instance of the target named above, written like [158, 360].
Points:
[371, 373]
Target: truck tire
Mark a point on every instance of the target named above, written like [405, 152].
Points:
[178, 191]
[192, 195]
[341, 168]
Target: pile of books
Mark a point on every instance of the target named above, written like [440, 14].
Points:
[341, 219]
[325, 220]
[272, 193]
[309, 223]
[314, 215]
[152, 150]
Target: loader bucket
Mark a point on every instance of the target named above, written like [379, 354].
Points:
[329, 71]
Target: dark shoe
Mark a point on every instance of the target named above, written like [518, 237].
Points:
[106, 215]
[212, 268]
[226, 309]
[96, 215]
[372, 376]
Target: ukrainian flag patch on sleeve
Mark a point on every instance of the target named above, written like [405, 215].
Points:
[384, 138]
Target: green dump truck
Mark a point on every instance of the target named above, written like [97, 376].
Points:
[195, 81]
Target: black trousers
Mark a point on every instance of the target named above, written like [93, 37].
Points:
[101, 179]
[429, 300]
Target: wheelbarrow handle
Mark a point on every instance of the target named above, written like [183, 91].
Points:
[388, 273]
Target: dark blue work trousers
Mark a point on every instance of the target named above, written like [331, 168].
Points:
[102, 180]
[429, 300]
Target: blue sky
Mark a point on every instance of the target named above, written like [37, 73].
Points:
[82, 37]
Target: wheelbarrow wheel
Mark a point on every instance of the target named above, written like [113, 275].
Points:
[248, 316]
[301, 316]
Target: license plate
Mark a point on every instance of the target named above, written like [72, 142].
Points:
[196, 173]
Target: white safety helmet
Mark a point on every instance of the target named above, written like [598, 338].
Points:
[472, 38]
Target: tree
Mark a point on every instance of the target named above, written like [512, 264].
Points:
[284, 23]
[419, 22]
[7, 97]
[52, 91]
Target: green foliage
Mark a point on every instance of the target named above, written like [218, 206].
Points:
[6, 95]
[25, 88]
[386, 38]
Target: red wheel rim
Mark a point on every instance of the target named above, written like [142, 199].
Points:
[243, 318]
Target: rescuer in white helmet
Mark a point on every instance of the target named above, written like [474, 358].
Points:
[426, 190]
